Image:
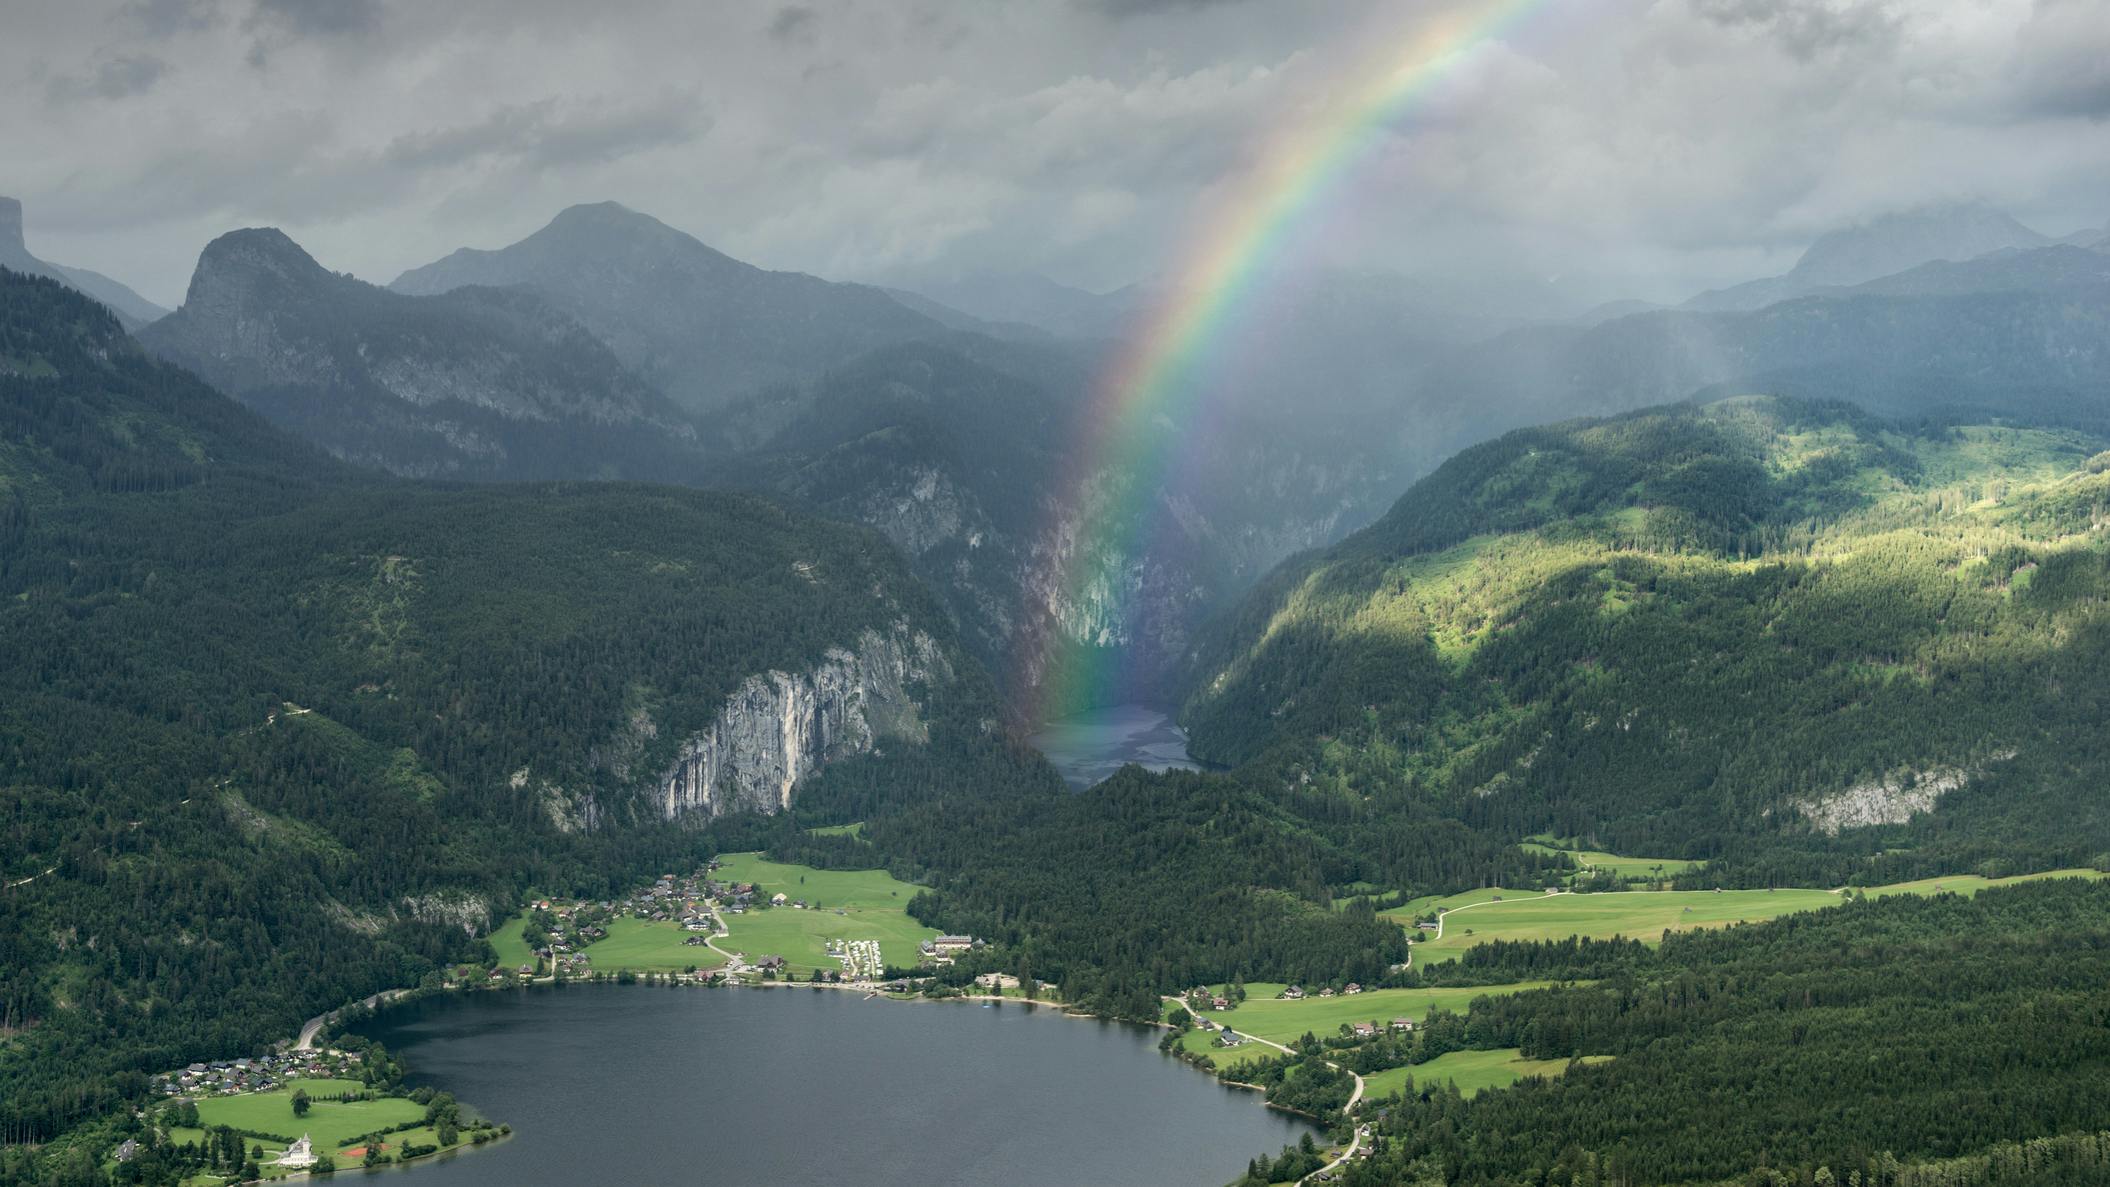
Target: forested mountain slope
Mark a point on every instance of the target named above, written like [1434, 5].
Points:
[477, 383]
[1707, 630]
[275, 734]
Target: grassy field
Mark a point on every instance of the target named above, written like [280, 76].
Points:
[1597, 859]
[511, 948]
[328, 1122]
[873, 906]
[643, 946]
[1639, 914]
[1972, 883]
[1266, 1016]
[840, 830]
[1471, 1071]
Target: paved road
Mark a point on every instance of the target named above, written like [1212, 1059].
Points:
[313, 1026]
[1355, 1140]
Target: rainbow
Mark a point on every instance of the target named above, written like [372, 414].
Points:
[1151, 383]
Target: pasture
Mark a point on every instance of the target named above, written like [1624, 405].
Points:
[1471, 1071]
[1277, 1020]
[645, 946]
[1474, 917]
[873, 906]
[1646, 868]
[507, 941]
[329, 1122]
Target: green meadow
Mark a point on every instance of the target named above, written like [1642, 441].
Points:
[873, 905]
[1612, 863]
[1471, 1071]
[1640, 914]
[330, 1123]
[512, 949]
[645, 946]
[1265, 1016]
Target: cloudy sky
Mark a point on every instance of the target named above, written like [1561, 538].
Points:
[1654, 146]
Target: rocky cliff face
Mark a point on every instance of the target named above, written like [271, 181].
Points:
[779, 727]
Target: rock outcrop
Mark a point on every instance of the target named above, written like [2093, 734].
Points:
[779, 727]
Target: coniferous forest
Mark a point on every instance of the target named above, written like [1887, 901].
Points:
[278, 733]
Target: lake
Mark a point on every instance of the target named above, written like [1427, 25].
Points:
[1087, 747]
[652, 1085]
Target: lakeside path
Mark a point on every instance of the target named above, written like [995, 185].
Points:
[313, 1026]
[1355, 1132]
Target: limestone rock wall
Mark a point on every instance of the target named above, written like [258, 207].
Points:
[779, 727]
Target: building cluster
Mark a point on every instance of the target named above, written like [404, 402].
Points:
[944, 948]
[260, 1074]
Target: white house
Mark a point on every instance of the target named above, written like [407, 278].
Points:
[300, 1155]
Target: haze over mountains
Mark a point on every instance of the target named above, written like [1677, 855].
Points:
[608, 344]
[131, 308]
[704, 327]
[478, 382]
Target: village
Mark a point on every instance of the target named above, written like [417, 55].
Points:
[709, 927]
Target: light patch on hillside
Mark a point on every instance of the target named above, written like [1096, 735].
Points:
[1891, 799]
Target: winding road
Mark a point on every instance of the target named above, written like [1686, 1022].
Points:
[1355, 1132]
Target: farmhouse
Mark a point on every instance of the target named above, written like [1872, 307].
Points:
[950, 944]
[1366, 1030]
[1406, 1024]
[770, 964]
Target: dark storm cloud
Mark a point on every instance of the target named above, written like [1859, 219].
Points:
[1138, 7]
[549, 135]
[164, 17]
[313, 18]
[1666, 145]
[2062, 68]
[792, 22]
[112, 78]
[1805, 28]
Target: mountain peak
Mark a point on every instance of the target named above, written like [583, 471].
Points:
[11, 242]
[609, 226]
[239, 264]
[1893, 242]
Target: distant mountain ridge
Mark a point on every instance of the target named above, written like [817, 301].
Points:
[476, 383]
[705, 328]
[132, 309]
[1877, 248]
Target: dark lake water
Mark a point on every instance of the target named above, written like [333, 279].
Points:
[638, 1084]
[1087, 747]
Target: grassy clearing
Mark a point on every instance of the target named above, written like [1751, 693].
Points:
[511, 948]
[840, 830]
[1598, 859]
[1641, 915]
[1471, 1071]
[1972, 883]
[1266, 1016]
[643, 946]
[328, 1122]
[873, 905]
